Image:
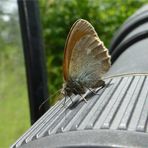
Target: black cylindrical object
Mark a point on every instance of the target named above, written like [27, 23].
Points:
[129, 47]
[133, 30]
[34, 57]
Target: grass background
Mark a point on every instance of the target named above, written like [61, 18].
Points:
[56, 17]
[14, 113]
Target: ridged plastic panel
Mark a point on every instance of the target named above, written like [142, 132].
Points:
[122, 105]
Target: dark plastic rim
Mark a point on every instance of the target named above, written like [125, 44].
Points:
[125, 30]
[123, 46]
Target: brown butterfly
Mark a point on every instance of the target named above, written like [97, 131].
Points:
[86, 59]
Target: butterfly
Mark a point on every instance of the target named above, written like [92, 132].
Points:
[86, 59]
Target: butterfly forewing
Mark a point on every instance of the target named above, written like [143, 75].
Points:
[79, 29]
[85, 59]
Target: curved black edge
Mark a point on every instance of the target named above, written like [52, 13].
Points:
[121, 34]
[123, 46]
[92, 138]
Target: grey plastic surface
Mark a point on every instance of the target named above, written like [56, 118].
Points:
[116, 117]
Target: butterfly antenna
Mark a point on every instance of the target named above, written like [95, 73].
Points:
[48, 99]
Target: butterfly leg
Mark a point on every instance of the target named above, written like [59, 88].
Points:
[92, 91]
[77, 92]
[64, 104]
[83, 98]
[70, 99]
[100, 84]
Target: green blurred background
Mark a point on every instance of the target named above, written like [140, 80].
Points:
[57, 16]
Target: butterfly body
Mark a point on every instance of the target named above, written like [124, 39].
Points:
[77, 87]
[86, 59]
[73, 87]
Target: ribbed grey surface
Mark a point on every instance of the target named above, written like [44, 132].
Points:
[121, 105]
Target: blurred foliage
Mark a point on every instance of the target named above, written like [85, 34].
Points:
[57, 17]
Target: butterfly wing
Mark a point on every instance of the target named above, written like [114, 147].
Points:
[86, 58]
[79, 29]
